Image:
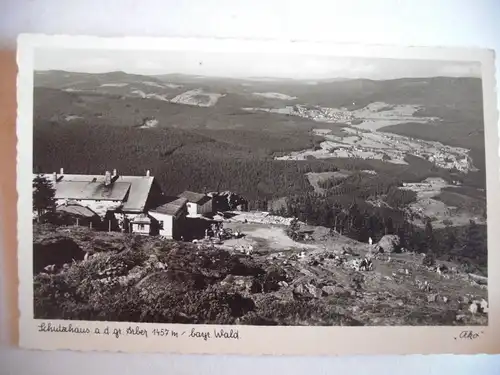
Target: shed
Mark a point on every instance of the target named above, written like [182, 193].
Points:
[170, 216]
[197, 203]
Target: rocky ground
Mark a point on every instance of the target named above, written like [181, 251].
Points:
[263, 278]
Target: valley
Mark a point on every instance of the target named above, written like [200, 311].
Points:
[348, 161]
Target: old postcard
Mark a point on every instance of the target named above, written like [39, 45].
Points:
[232, 196]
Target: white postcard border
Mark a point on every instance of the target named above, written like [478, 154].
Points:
[255, 340]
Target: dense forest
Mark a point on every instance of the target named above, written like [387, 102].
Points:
[223, 148]
[180, 160]
[174, 156]
[357, 219]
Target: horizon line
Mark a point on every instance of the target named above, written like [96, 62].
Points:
[256, 78]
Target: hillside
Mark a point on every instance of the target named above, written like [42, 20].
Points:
[404, 152]
[320, 282]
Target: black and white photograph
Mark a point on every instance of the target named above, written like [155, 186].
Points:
[211, 187]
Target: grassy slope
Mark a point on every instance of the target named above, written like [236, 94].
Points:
[123, 282]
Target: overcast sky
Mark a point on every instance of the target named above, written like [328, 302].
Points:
[246, 65]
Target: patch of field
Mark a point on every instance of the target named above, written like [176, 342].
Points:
[153, 84]
[274, 95]
[145, 95]
[72, 117]
[355, 143]
[374, 116]
[316, 178]
[428, 206]
[378, 115]
[172, 86]
[114, 85]
[198, 98]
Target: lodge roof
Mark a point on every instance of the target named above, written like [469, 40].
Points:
[133, 191]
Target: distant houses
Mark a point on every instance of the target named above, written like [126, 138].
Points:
[133, 204]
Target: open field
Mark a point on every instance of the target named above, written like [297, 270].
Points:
[316, 178]
[392, 148]
[374, 116]
[430, 205]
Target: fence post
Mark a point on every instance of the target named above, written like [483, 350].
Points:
[90, 226]
[77, 222]
[109, 226]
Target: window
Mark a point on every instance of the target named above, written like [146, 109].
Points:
[160, 224]
[141, 226]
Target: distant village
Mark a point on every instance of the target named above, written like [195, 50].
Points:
[136, 204]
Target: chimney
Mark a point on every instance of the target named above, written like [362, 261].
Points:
[148, 173]
[115, 173]
[61, 171]
[107, 178]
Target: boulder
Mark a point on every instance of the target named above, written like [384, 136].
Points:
[390, 243]
[432, 297]
[329, 290]
[484, 306]
[55, 251]
[240, 283]
[473, 308]
[460, 318]
[307, 290]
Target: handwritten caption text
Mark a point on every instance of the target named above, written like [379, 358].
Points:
[137, 331]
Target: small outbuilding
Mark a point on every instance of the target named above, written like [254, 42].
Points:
[141, 224]
[197, 203]
[169, 218]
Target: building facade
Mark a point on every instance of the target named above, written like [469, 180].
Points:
[131, 204]
[197, 204]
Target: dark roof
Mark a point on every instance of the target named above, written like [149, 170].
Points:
[171, 207]
[91, 190]
[77, 210]
[139, 188]
[195, 197]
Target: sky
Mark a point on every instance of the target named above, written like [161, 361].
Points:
[245, 65]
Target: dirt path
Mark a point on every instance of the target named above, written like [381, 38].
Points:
[261, 236]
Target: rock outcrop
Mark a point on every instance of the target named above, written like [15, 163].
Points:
[390, 243]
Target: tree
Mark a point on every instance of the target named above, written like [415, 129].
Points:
[389, 226]
[43, 195]
[474, 241]
[429, 236]
[450, 239]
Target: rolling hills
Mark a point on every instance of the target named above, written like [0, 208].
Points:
[197, 133]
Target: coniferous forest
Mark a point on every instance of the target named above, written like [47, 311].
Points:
[201, 149]
[174, 156]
